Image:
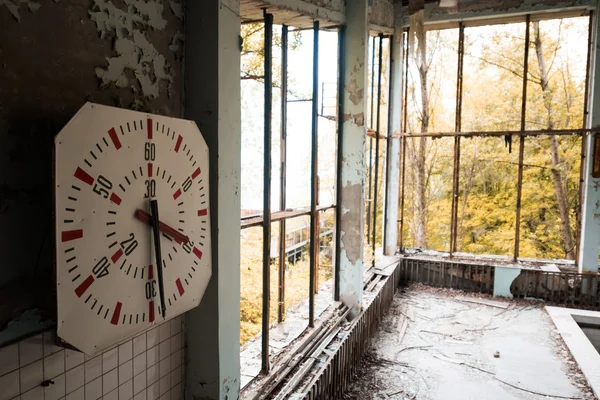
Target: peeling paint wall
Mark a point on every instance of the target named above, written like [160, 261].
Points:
[353, 155]
[381, 13]
[55, 56]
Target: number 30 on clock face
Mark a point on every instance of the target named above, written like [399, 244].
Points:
[132, 223]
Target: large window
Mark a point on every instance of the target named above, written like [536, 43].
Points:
[494, 126]
[280, 265]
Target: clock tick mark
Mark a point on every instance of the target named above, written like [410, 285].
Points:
[128, 127]
[87, 162]
[194, 164]
[170, 303]
[94, 304]
[135, 125]
[163, 176]
[137, 318]
[135, 272]
[142, 273]
[110, 223]
[73, 268]
[169, 180]
[129, 269]
[99, 148]
[68, 221]
[170, 258]
[173, 185]
[83, 176]
[121, 128]
[106, 313]
[178, 143]
[113, 244]
[72, 198]
[77, 277]
[76, 188]
[69, 250]
[167, 237]
[122, 265]
[186, 281]
[88, 298]
[112, 212]
[127, 179]
[93, 155]
[121, 186]
[111, 234]
[134, 175]
[70, 209]
[175, 249]
[100, 309]
[105, 142]
[71, 259]
[190, 275]
[115, 317]
[141, 172]
[130, 316]
[194, 269]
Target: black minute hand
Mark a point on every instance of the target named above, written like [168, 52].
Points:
[159, 270]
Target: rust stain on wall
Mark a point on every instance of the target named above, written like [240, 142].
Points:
[359, 119]
[355, 94]
[351, 221]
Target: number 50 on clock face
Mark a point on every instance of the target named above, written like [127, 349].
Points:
[129, 186]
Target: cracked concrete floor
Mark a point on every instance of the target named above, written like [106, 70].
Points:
[449, 346]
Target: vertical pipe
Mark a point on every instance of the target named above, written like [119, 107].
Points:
[522, 141]
[457, 128]
[377, 123]
[584, 137]
[388, 142]
[267, 191]
[338, 173]
[369, 198]
[403, 145]
[314, 175]
[282, 175]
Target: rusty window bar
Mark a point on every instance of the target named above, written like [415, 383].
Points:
[314, 184]
[557, 132]
[340, 136]
[388, 142]
[457, 128]
[378, 123]
[257, 220]
[282, 175]
[370, 169]
[522, 142]
[268, 87]
[403, 141]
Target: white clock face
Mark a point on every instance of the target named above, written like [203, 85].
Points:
[110, 164]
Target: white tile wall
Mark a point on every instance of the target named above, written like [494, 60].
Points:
[147, 367]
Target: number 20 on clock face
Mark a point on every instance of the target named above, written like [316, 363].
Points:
[133, 245]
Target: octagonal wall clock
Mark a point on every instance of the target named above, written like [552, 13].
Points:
[133, 244]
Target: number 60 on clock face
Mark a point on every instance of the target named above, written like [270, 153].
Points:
[133, 245]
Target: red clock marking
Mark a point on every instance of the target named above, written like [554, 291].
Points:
[115, 199]
[116, 314]
[196, 173]
[115, 139]
[72, 235]
[178, 144]
[151, 311]
[84, 286]
[198, 253]
[179, 287]
[150, 272]
[149, 169]
[149, 128]
[203, 212]
[115, 257]
[83, 176]
[176, 194]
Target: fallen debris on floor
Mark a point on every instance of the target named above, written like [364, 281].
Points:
[433, 344]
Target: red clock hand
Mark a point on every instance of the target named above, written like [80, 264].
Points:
[164, 228]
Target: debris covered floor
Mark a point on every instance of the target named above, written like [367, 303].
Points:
[439, 344]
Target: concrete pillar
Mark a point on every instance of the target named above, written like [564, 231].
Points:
[352, 204]
[212, 99]
[393, 161]
[590, 230]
